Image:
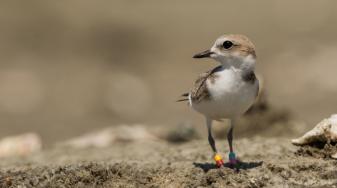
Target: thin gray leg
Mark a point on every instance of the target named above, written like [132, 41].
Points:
[210, 137]
[230, 135]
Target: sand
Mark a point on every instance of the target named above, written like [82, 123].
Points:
[267, 162]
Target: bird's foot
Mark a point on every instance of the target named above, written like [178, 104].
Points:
[218, 160]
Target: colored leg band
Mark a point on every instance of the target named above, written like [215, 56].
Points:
[232, 157]
[218, 160]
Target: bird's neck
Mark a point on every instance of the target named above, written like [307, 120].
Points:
[239, 63]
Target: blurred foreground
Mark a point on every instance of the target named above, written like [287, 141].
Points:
[268, 162]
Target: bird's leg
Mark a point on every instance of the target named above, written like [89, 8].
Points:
[231, 156]
[218, 159]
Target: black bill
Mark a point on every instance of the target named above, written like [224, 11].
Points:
[203, 54]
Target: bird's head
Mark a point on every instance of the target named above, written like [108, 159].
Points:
[231, 50]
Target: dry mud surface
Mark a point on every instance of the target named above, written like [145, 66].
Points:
[268, 162]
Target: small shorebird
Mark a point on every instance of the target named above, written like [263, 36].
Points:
[228, 90]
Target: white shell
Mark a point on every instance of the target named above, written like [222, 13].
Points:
[334, 156]
[325, 131]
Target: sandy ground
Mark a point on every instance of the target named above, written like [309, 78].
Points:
[268, 162]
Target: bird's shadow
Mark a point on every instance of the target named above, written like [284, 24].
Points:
[240, 166]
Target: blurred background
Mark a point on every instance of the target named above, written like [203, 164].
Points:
[69, 67]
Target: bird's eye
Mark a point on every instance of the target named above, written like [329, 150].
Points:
[227, 44]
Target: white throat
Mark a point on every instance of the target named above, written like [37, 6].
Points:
[238, 62]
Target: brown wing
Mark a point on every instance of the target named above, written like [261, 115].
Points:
[200, 91]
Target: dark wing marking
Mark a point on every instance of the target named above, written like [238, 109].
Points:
[185, 97]
[181, 100]
[185, 94]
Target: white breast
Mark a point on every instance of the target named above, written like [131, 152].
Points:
[230, 95]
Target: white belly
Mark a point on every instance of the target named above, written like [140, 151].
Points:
[230, 95]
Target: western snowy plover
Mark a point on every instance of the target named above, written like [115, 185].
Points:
[227, 91]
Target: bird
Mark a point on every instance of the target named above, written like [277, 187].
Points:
[227, 91]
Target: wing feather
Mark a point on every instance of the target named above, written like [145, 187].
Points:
[200, 92]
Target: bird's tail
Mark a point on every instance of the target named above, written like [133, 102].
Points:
[185, 97]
